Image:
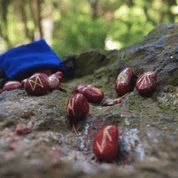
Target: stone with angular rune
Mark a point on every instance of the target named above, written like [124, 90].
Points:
[77, 106]
[105, 143]
[60, 75]
[22, 129]
[123, 83]
[46, 71]
[79, 87]
[44, 75]
[53, 82]
[37, 84]
[146, 83]
[23, 82]
[91, 93]
[11, 85]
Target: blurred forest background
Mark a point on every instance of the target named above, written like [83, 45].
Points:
[75, 26]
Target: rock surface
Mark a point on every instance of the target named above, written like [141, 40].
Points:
[148, 126]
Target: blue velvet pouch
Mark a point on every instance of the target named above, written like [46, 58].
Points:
[28, 59]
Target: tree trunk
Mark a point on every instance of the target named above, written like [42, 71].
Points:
[35, 8]
[94, 4]
[171, 3]
[62, 9]
[39, 2]
[24, 18]
[33, 13]
[147, 4]
[160, 19]
[5, 4]
[130, 3]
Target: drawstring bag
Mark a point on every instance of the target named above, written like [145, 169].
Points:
[21, 62]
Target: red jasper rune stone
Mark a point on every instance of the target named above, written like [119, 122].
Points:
[60, 75]
[37, 84]
[54, 75]
[44, 75]
[23, 82]
[11, 85]
[79, 87]
[53, 82]
[105, 143]
[46, 71]
[77, 106]
[91, 93]
[123, 83]
[146, 83]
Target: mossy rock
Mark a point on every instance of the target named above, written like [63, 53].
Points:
[156, 52]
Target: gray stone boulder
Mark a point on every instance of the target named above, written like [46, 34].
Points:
[148, 126]
[157, 52]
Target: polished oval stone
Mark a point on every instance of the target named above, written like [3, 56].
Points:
[91, 93]
[60, 75]
[77, 106]
[53, 82]
[37, 84]
[146, 83]
[46, 71]
[105, 143]
[123, 82]
[54, 75]
[23, 82]
[42, 74]
[11, 85]
[80, 87]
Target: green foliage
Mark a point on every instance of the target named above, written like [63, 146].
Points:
[129, 25]
[80, 35]
[76, 35]
[124, 22]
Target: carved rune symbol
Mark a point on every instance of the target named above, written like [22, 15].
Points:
[71, 106]
[34, 83]
[144, 80]
[101, 148]
[121, 79]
